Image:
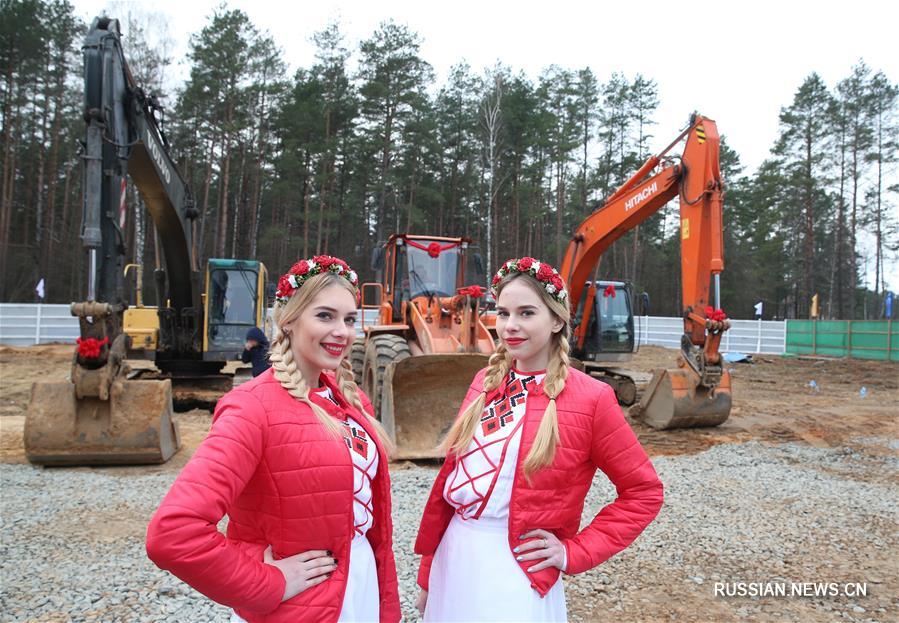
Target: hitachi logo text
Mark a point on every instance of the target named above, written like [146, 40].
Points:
[637, 199]
[158, 156]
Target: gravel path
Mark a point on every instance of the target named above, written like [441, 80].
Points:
[72, 540]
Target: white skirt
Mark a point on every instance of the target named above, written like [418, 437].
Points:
[474, 577]
[362, 597]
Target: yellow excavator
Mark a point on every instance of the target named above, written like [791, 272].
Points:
[107, 413]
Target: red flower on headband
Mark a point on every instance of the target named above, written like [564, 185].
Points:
[324, 260]
[558, 283]
[496, 279]
[525, 263]
[284, 287]
[545, 272]
[300, 268]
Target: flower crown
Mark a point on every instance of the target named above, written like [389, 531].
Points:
[291, 281]
[541, 271]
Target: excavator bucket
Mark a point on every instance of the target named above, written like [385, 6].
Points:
[675, 399]
[133, 427]
[421, 397]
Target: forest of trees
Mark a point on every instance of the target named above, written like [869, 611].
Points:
[365, 142]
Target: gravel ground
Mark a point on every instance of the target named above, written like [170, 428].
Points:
[72, 540]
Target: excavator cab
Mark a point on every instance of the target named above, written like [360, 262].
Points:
[417, 362]
[609, 334]
[234, 302]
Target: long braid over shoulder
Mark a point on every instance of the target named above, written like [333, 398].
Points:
[462, 431]
[288, 375]
[543, 451]
[346, 382]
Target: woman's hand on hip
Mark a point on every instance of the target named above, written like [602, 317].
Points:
[303, 570]
[538, 544]
[421, 602]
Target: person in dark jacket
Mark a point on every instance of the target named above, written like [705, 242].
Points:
[256, 351]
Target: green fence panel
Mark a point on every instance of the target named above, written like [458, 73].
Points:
[860, 339]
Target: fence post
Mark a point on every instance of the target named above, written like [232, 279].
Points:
[815, 336]
[849, 338]
[758, 346]
[37, 325]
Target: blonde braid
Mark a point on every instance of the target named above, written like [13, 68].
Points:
[289, 375]
[347, 384]
[462, 431]
[543, 451]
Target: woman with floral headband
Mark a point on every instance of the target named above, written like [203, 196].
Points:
[502, 519]
[298, 464]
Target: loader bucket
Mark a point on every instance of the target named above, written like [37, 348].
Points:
[675, 399]
[421, 397]
[133, 427]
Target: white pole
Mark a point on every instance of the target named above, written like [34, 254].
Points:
[37, 325]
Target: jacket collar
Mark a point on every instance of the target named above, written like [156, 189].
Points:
[533, 389]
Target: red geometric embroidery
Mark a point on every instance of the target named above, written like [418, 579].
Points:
[356, 440]
[499, 414]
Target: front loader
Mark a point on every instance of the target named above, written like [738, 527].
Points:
[419, 358]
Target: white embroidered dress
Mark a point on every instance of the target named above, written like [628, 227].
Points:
[361, 599]
[474, 576]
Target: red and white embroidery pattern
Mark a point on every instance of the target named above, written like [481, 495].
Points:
[481, 482]
[365, 466]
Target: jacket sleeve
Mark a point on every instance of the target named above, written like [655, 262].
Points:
[438, 512]
[246, 355]
[182, 536]
[617, 452]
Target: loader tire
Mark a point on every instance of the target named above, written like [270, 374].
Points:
[357, 359]
[381, 351]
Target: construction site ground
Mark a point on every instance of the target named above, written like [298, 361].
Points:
[803, 412]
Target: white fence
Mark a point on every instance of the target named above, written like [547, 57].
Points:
[744, 336]
[23, 324]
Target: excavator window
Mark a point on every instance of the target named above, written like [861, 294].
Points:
[232, 308]
[615, 320]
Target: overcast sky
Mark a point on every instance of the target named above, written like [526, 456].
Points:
[736, 62]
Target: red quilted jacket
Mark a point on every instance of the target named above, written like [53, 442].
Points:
[594, 434]
[283, 480]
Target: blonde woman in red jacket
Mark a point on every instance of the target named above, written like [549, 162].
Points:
[502, 521]
[300, 467]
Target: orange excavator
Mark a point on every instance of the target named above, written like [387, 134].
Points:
[417, 360]
[698, 391]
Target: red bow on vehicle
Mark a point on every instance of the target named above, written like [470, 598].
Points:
[89, 348]
[609, 291]
[717, 315]
[472, 291]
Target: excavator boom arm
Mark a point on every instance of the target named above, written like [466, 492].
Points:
[696, 179]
